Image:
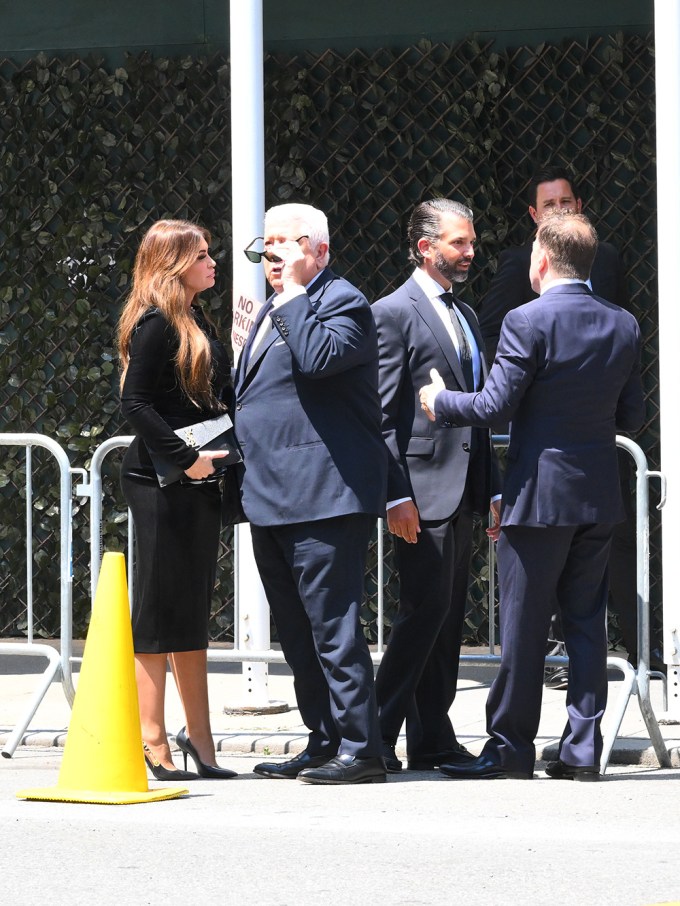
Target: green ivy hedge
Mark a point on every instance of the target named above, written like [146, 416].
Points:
[92, 155]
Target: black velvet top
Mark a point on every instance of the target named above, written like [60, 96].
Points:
[152, 398]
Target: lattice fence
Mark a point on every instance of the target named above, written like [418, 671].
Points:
[90, 156]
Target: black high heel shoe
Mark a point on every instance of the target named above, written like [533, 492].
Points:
[161, 773]
[207, 771]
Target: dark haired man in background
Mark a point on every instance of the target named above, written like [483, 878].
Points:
[552, 189]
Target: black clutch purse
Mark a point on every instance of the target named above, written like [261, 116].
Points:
[213, 434]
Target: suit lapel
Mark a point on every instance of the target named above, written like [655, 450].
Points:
[263, 346]
[245, 362]
[434, 323]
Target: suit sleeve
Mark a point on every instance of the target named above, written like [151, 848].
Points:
[509, 289]
[151, 348]
[392, 368]
[630, 409]
[512, 373]
[332, 337]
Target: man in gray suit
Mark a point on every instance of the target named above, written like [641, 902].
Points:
[436, 480]
[567, 376]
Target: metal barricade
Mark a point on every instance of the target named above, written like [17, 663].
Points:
[59, 663]
[239, 653]
[635, 680]
[95, 492]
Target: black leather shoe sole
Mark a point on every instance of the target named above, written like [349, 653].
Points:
[558, 770]
[430, 762]
[481, 768]
[345, 770]
[289, 770]
[339, 781]
[495, 774]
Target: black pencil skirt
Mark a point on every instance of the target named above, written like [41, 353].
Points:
[177, 531]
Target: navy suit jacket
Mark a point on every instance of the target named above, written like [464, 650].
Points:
[567, 375]
[308, 411]
[426, 462]
[511, 288]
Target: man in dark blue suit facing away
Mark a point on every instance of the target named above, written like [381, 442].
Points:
[567, 376]
[553, 188]
[314, 480]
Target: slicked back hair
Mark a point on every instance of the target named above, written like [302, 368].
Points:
[570, 241]
[425, 223]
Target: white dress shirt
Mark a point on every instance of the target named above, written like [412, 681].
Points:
[434, 291]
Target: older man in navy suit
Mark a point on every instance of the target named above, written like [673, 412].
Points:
[308, 420]
[567, 376]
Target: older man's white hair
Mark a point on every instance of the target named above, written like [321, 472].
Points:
[302, 220]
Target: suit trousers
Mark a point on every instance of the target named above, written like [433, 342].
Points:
[536, 566]
[313, 576]
[417, 677]
[623, 571]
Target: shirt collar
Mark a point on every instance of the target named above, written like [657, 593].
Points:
[429, 286]
[564, 281]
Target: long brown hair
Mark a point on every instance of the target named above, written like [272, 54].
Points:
[166, 251]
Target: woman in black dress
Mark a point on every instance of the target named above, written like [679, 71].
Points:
[175, 372]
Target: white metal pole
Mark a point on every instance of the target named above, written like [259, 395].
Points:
[247, 176]
[667, 42]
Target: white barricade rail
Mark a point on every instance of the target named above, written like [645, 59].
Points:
[240, 653]
[59, 663]
[636, 681]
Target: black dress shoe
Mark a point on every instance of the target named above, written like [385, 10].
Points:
[392, 763]
[346, 769]
[458, 754]
[481, 768]
[558, 770]
[290, 769]
[556, 678]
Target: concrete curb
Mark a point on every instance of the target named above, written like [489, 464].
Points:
[626, 751]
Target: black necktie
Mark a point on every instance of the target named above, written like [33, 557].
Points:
[464, 351]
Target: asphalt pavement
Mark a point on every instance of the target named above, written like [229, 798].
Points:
[417, 839]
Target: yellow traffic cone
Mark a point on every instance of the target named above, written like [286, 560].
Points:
[103, 758]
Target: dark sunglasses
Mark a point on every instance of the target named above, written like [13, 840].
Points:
[256, 257]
